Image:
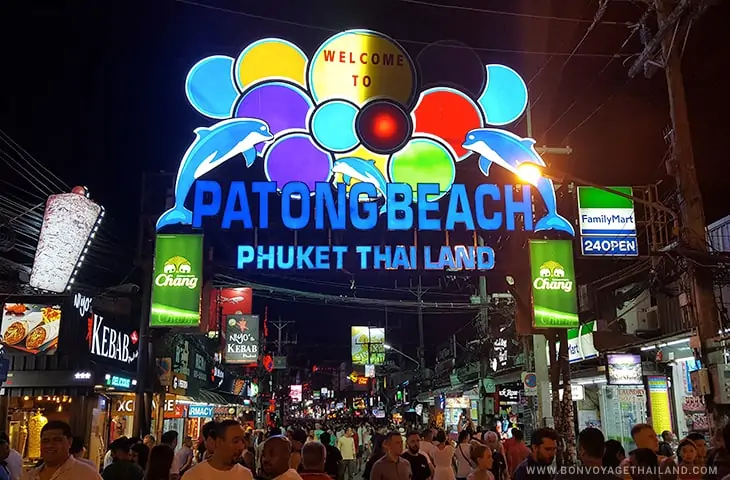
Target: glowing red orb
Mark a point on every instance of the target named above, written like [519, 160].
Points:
[383, 126]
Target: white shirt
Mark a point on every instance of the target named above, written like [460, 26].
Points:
[203, 471]
[107, 459]
[463, 463]
[175, 468]
[181, 457]
[71, 469]
[15, 465]
[290, 474]
[428, 449]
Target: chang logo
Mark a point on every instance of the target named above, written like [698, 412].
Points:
[177, 272]
[552, 277]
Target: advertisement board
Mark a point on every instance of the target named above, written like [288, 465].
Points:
[242, 339]
[624, 369]
[177, 281]
[368, 345]
[228, 301]
[374, 143]
[607, 221]
[295, 393]
[31, 328]
[661, 416]
[111, 342]
[554, 297]
[200, 411]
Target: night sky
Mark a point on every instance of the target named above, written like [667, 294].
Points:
[94, 91]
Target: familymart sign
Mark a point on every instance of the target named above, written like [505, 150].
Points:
[607, 221]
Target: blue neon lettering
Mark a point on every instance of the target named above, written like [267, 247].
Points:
[237, 197]
[399, 197]
[483, 191]
[370, 209]
[455, 214]
[201, 207]
[425, 191]
[289, 194]
[263, 189]
[324, 202]
[513, 207]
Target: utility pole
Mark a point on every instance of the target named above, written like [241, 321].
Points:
[697, 280]
[419, 293]
[280, 342]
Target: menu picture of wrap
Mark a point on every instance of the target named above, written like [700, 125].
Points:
[30, 327]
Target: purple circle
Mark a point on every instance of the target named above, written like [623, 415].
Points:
[281, 105]
[295, 157]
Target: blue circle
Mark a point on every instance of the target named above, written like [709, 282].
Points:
[333, 125]
[210, 87]
[504, 98]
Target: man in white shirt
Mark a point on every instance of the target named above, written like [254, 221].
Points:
[427, 447]
[14, 460]
[223, 464]
[184, 456]
[346, 445]
[58, 463]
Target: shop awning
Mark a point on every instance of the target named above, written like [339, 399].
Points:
[207, 396]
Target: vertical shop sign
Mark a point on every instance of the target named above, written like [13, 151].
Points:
[242, 339]
[554, 299]
[661, 417]
[177, 281]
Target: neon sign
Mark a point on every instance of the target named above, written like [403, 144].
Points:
[348, 140]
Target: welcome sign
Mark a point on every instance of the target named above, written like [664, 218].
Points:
[348, 139]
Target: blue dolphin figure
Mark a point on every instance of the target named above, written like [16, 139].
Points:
[510, 151]
[362, 170]
[211, 148]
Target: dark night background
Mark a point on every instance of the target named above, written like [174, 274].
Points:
[94, 91]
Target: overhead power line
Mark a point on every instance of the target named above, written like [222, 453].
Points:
[489, 11]
[401, 40]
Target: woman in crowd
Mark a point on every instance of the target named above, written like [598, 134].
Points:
[159, 463]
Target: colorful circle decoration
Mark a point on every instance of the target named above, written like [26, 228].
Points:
[354, 111]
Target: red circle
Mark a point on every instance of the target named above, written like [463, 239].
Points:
[448, 115]
[383, 127]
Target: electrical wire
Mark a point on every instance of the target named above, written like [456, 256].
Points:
[616, 91]
[401, 40]
[505, 13]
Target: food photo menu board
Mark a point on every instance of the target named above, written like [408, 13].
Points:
[30, 328]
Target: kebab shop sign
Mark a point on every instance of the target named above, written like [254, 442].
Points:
[111, 343]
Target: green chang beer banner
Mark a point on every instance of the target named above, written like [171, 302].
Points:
[177, 281]
[554, 299]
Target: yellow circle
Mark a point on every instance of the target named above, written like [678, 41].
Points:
[359, 66]
[381, 162]
[271, 59]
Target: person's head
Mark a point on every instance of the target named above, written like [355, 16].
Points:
[518, 435]
[209, 432]
[120, 450]
[463, 437]
[275, 456]
[298, 438]
[4, 449]
[544, 444]
[188, 442]
[77, 447]
[614, 454]
[314, 455]
[169, 438]
[140, 454]
[150, 441]
[644, 457]
[348, 432]
[427, 435]
[645, 437]
[55, 442]
[160, 462]
[135, 440]
[591, 446]
[413, 441]
[325, 438]
[492, 440]
[667, 436]
[481, 455]
[440, 436]
[228, 442]
[700, 444]
[687, 451]
[393, 444]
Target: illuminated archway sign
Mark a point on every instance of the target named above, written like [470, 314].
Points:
[349, 140]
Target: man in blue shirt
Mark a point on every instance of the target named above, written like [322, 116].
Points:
[4, 452]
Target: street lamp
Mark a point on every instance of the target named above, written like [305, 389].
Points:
[390, 347]
[531, 173]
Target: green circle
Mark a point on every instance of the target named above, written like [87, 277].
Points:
[423, 160]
